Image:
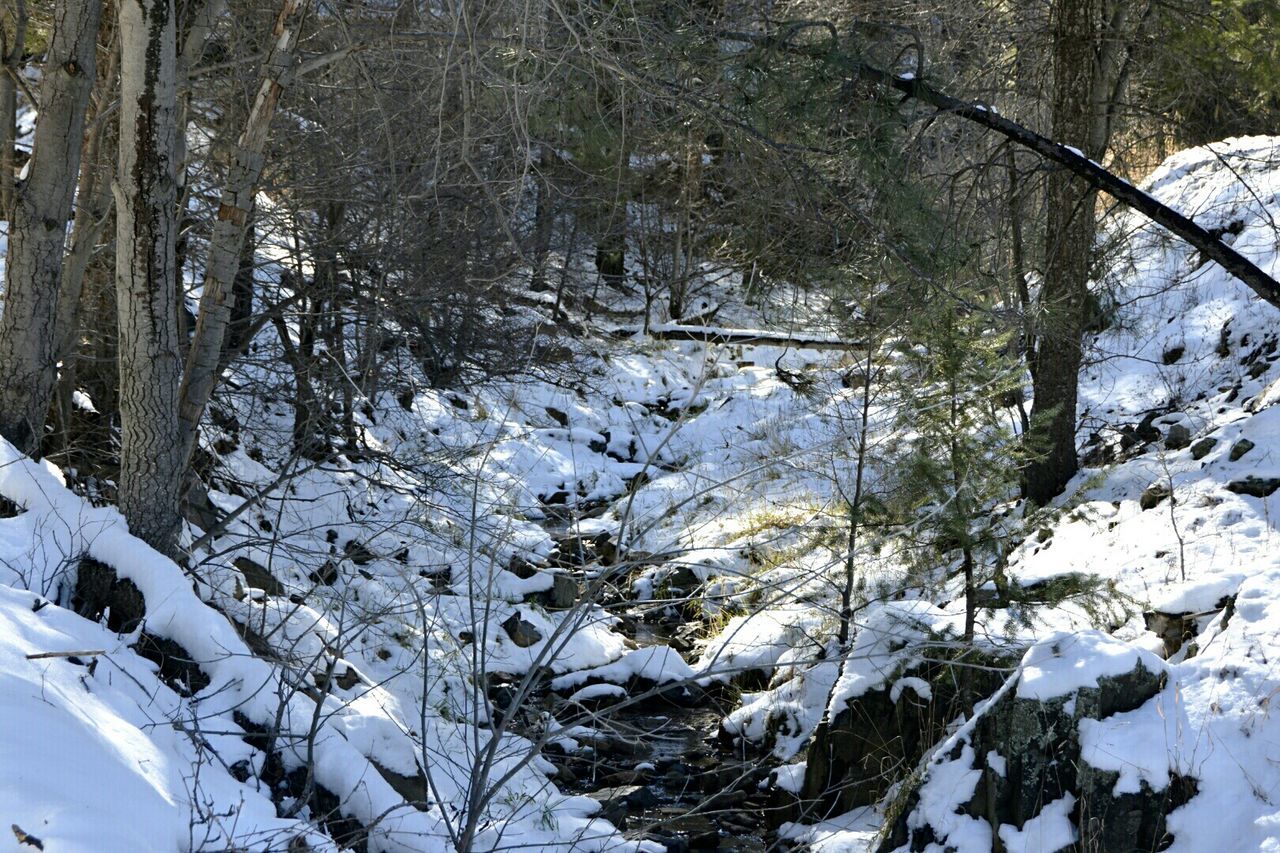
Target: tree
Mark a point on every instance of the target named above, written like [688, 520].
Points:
[1078, 120]
[962, 459]
[13, 45]
[229, 229]
[151, 463]
[41, 208]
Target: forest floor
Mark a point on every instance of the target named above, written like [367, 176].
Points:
[616, 580]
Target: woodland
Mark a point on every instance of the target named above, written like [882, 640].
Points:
[639, 426]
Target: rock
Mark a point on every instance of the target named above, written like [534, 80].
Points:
[359, 553]
[697, 831]
[98, 591]
[258, 576]
[412, 788]
[1154, 495]
[617, 802]
[1202, 448]
[1029, 754]
[1258, 487]
[557, 416]
[1146, 432]
[1173, 628]
[523, 633]
[1173, 355]
[1177, 437]
[625, 777]
[1240, 448]
[326, 574]
[521, 568]
[176, 666]
[848, 755]
[564, 592]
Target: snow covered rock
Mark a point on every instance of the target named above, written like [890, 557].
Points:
[1026, 767]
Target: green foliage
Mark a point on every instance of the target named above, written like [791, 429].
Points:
[1217, 64]
[962, 460]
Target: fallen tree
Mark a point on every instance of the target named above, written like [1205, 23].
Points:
[1098, 176]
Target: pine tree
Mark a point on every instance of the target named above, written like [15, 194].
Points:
[962, 459]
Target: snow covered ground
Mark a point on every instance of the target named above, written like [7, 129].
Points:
[379, 601]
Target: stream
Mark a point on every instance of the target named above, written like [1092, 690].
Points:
[662, 772]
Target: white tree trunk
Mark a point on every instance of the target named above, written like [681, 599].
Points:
[41, 208]
[151, 466]
[229, 229]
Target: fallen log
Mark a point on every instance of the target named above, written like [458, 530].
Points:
[745, 337]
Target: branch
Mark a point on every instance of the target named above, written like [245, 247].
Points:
[1064, 155]
[1098, 177]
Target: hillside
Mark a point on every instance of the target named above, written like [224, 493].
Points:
[533, 599]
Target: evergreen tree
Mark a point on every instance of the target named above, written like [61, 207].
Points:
[962, 459]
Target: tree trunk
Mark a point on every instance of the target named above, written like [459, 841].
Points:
[240, 319]
[1068, 243]
[151, 461]
[93, 210]
[229, 229]
[38, 230]
[11, 57]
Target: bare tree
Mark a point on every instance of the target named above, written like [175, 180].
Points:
[13, 44]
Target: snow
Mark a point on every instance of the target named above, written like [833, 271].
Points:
[917, 685]
[656, 664]
[1048, 831]
[854, 832]
[951, 783]
[740, 504]
[1063, 663]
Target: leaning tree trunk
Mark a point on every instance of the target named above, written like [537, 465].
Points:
[229, 229]
[1068, 244]
[151, 461]
[41, 208]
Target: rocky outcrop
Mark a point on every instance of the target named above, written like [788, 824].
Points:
[873, 743]
[1018, 768]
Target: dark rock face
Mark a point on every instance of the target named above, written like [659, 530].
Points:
[873, 743]
[99, 590]
[1028, 754]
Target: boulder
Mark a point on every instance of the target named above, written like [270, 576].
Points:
[1154, 495]
[1258, 487]
[1203, 447]
[522, 632]
[1240, 448]
[1177, 437]
[1026, 752]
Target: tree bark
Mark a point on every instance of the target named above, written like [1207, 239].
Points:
[1069, 236]
[93, 209]
[151, 462]
[41, 208]
[229, 229]
[11, 57]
